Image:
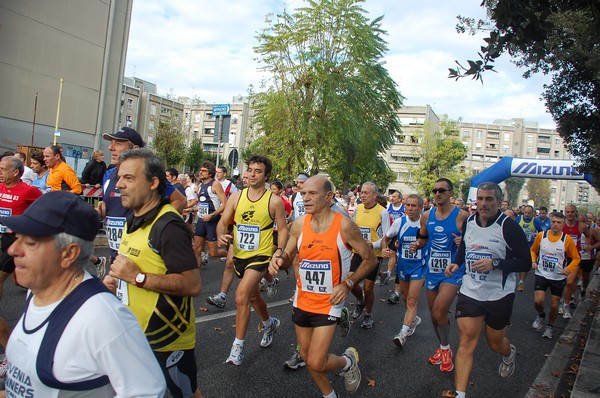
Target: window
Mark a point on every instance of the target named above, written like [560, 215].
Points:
[153, 109]
[478, 145]
[530, 139]
[493, 134]
[506, 137]
[151, 125]
[466, 133]
[479, 134]
[197, 118]
[465, 143]
[209, 116]
[414, 139]
[505, 148]
[187, 114]
[552, 201]
[563, 188]
[543, 150]
[557, 141]
[543, 139]
[553, 190]
[234, 118]
[492, 146]
[556, 154]
[129, 103]
[209, 131]
[399, 139]
[529, 150]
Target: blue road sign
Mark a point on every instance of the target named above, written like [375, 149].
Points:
[221, 110]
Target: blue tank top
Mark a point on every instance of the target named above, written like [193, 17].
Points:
[442, 249]
[205, 203]
[394, 214]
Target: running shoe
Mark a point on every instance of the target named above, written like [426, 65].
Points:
[521, 287]
[344, 322]
[413, 326]
[384, 278]
[449, 394]
[548, 332]
[572, 304]
[537, 324]
[447, 365]
[272, 288]
[100, 268]
[269, 332]
[236, 356]
[262, 285]
[358, 310]
[216, 300]
[394, 298]
[387, 279]
[507, 369]
[400, 339]
[367, 322]
[567, 313]
[352, 375]
[582, 295]
[561, 308]
[223, 258]
[294, 362]
[436, 358]
[204, 259]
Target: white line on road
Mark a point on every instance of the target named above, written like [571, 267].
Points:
[208, 318]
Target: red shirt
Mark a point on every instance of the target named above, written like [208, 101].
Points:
[574, 232]
[14, 201]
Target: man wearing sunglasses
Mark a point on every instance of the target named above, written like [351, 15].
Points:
[441, 228]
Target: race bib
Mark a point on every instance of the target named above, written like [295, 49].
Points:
[470, 258]
[248, 237]
[585, 255]
[366, 233]
[438, 261]
[114, 227]
[202, 209]
[122, 293]
[408, 254]
[316, 277]
[575, 239]
[5, 213]
[549, 263]
[300, 210]
[530, 236]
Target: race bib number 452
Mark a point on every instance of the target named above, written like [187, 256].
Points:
[316, 276]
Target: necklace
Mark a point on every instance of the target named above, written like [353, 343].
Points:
[71, 287]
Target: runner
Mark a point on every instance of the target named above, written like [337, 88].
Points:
[324, 240]
[531, 228]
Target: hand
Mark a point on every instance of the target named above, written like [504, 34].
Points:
[386, 253]
[566, 271]
[224, 240]
[339, 294]
[457, 239]
[414, 246]
[451, 269]
[110, 283]
[207, 217]
[483, 265]
[275, 264]
[97, 186]
[534, 265]
[124, 269]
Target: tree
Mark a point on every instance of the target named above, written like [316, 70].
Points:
[552, 37]
[513, 186]
[539, 191]
[194, 154]
[168, 142]
[329, 103]
[438, 156]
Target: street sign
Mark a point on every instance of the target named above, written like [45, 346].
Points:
[233, 158]
[221, 110]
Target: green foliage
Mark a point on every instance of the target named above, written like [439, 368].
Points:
[438, 156]
[194, 154]
[552, 37]
[539, 191]
[513, 186]
[329, 103]
[168, 142]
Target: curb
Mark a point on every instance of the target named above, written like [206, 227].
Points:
[565, 367]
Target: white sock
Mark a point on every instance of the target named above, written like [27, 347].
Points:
[445, 347]
[332, 394]
[509, 358]
[405, 328]
[461, 394]
[238, 342]
[348, 363]
[267, 323]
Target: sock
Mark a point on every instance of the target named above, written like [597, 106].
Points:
[348, 363]
[445, 347]
[332, 394]
[223, 295]
[238, 342]
[267, 323]
[397, 292]
[461, 394]
[405, 328]
[509, 358]
[388, 273]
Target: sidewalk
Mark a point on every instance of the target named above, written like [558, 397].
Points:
[573, 368]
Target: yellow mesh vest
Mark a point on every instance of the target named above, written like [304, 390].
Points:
[167, 321]
[369, 223]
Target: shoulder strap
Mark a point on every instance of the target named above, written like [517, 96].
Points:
[57, 322]
[158, 228]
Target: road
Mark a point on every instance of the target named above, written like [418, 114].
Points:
[393, 372]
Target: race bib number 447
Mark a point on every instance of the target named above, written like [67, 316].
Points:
[316, 276]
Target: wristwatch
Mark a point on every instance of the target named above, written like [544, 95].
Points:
[349, 283]
[140, 279]
[495, 263]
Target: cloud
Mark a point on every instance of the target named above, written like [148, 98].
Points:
[205, 48]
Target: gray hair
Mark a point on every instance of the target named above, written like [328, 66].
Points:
[16, 164]
[414, 196]
[492, 186]
[63, 239]
[372, 185]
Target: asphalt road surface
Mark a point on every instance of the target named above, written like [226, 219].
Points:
[387, 371]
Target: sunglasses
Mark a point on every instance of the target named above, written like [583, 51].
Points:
[440, 190]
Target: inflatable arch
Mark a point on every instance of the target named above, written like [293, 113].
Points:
[527, 168]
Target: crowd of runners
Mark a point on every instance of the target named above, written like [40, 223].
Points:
[162, 226]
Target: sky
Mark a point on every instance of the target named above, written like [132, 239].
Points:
[204, 48]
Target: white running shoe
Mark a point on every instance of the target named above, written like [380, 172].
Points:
[269, 332]
[236, 356]
[413, 326]
[352, 375]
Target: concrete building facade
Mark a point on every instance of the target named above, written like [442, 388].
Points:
[85, 43]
